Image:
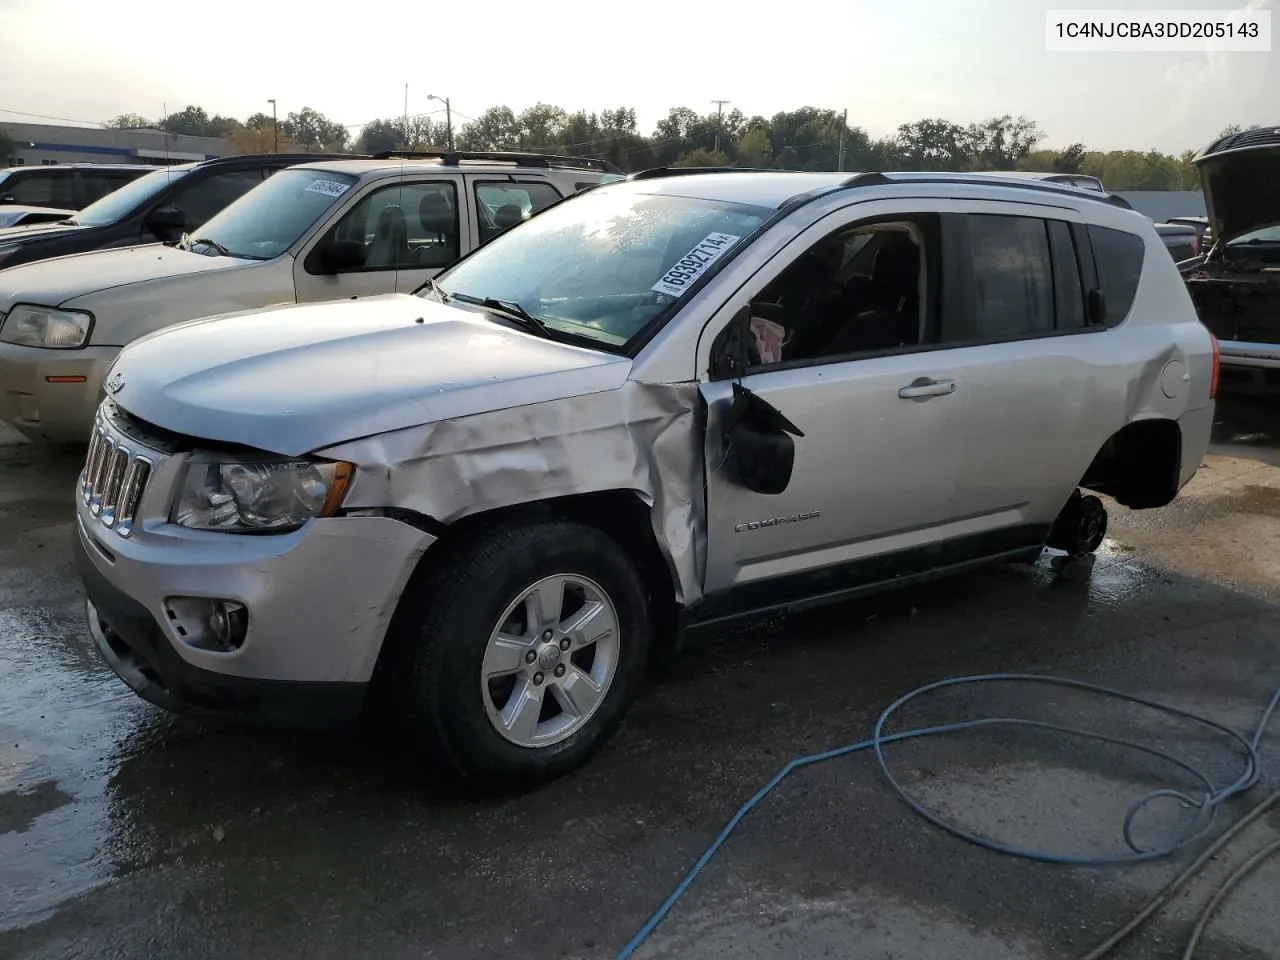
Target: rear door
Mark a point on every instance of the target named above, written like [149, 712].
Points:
[409, 230]
[1033, 363]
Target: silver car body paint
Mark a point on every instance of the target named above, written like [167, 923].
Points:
[457, 415]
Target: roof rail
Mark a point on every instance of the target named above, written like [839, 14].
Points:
[450, 158]
[1042, 186]
[654, 173]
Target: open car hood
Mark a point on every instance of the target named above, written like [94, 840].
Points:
[1240, 176]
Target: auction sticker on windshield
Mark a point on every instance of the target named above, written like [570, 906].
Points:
[330, 188]
[694, 264]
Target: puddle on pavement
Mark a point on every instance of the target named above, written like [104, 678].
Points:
[64, 715]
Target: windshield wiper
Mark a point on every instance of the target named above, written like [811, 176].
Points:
[222, 251]
[512, 310]
[437, 290]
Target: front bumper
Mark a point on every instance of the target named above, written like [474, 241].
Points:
[52, 394]
[319, 602]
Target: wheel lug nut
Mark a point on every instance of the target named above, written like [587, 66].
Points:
[530, 657]
[546, 635]
[537, 679]
[560, 670]
[564, 644]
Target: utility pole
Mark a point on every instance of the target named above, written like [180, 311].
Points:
[448, 118]
[405, 128]
[719, 114]
[844, 123]
[275, 124]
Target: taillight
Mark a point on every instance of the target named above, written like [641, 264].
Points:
[1217, 366]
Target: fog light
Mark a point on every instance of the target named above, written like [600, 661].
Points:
[229, 623]
[208, 624]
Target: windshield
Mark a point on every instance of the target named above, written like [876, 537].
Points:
[270, 218]
[118, 204]
[1265, 235]
[603, 266]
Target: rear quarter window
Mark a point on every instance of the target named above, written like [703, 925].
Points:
[1119, 257]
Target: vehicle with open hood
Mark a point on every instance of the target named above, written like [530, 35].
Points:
[672, 401]
[330, 229]
[1236, 283]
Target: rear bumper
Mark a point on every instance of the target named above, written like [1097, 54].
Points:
[52, 394]
[1250, 367]
[138, 651]
[1241, 353]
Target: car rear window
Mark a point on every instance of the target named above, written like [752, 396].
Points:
[1118, 256]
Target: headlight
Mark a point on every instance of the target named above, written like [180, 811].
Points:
[246, 497]
[32, 326]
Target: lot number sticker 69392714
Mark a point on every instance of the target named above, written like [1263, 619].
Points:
[693, 264]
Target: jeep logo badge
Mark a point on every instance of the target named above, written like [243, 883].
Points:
[115, 384]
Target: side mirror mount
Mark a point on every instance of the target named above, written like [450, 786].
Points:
[339, 256]
[167, 223]
[759, 452]
[1097, 307]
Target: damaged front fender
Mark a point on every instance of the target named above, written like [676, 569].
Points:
[643, 438]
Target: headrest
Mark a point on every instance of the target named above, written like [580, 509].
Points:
[898, 266]
[435, 213]
[507, 215]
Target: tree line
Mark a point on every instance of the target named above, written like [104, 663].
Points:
[809, 138]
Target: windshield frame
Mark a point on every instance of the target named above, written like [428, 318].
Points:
[169, 175]
[638, 340]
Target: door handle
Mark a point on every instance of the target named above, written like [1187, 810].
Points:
[924, 388]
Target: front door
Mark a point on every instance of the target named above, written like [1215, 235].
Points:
[393, 239]
[846, 350]
[874, 472]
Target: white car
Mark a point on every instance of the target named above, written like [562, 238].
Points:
[320, 231]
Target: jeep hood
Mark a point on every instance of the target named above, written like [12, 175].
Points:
[1241, 190]
[54, 282]
[302, 377]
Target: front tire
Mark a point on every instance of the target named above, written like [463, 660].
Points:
[522, 651]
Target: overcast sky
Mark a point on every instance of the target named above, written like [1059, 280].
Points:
[886, 62]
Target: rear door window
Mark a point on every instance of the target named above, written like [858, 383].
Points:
[1118, 257]
[503, 205]
[1068, 291]
[41, 188]
[1012, 295]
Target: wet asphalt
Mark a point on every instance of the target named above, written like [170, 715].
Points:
[127, 833]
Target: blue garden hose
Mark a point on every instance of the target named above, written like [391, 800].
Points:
[1206, 804]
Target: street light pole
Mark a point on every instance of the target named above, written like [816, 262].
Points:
[448, 118]
[275, 124]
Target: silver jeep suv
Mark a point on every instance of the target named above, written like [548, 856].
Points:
[667, 402]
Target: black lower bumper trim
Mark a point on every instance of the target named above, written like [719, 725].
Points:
[132, 643]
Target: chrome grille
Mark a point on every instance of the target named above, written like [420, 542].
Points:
[114, 479]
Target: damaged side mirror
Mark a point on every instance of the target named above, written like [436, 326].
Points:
[759, 452]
